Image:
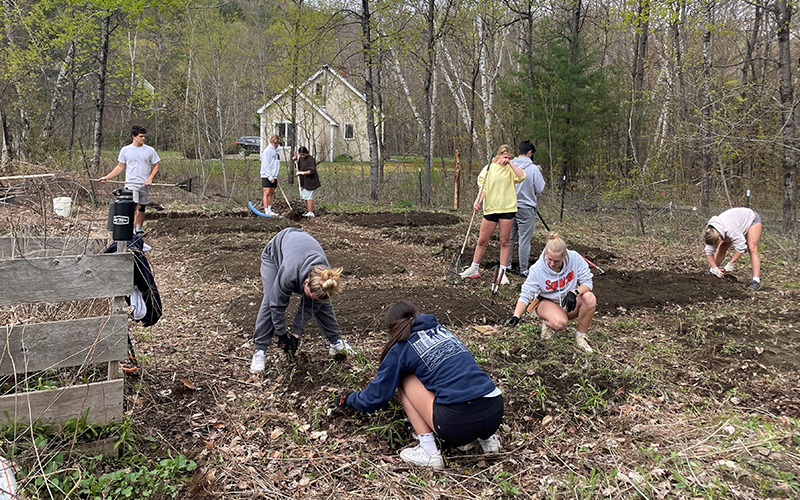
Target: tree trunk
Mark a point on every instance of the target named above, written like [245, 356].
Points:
[705, 129]
[366, 46]
[427, 115]
[7, 153]
[642, 24]
[100, 99]
[784, 17]
[47, 128]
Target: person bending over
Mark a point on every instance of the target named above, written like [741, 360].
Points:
[442, 389]
[561, 283]
[293, 262]
[740, 227]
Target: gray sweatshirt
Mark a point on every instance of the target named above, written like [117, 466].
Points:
[295, 253]
[732, 225]
[532, 185]
[554, 285]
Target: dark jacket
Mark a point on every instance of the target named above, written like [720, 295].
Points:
[441, 362]
[310, 181]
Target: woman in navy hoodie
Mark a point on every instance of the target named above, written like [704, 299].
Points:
[439, 383]
[561, 284]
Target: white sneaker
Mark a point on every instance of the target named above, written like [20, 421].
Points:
[471, 272]
[504, 279]
[259, 360]
[580, 339]
[341, 346]
[547, 333]
[490, 446]
[309, 214]
[419, 456]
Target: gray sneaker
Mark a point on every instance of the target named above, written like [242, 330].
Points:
[259, 360]
[341, 346]
[580, 339]
[754, 285]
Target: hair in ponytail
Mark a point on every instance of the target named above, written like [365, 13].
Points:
[711, 236]
[399, 318]
[324, 282]
[555, 244]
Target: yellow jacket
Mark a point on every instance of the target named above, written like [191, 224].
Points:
[501, 197]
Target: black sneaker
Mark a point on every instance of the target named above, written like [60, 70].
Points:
[754, 285]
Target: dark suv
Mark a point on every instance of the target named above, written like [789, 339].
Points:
[249, 144]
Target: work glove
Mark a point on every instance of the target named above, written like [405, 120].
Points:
[511, 320]
[716, 272]
[340, 400]
[288, 343]
[729, 267]
[571, 300]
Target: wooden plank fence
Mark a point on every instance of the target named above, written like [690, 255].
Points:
[42, 273]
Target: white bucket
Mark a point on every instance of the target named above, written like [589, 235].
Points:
[62, 206]
[8, 483]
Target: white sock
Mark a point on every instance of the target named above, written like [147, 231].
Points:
[475, 265]
[269, 208]
[428, 443]
[482, 441]
[756, 279]
[578, 334]
[504, 267]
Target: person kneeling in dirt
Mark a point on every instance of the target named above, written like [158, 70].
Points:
[293, 262]
[561, 283]
[740, 227]
[439, 383]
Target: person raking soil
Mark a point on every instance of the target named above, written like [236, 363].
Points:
[442, 388]
[499, 198]
[560, 286]
[740, 227]
[294, 262]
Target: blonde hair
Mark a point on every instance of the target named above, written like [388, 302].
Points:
[504, 149]
[324, 282]
[274, 138]
[556, 245]
[711, 236]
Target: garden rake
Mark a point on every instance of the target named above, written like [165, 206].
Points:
[499, 272]
[456, 270]
[185, 185]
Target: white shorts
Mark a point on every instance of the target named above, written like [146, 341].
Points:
[306, 194]
[141, 194]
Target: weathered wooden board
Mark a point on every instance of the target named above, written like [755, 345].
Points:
[16, 248]
[102, 399]
[69, 277]
[59, 344]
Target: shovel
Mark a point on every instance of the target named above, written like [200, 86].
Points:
[185, 185]
[456, 270]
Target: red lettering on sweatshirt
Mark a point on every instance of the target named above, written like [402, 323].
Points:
[554, 286]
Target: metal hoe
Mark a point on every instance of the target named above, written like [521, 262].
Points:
[457, 264]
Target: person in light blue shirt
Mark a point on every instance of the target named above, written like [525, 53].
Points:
[526, 205]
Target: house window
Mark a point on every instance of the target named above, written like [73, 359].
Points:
[349, 131]
[318, 90]
[285, 131]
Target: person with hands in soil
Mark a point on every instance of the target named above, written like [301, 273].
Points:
[294, 262]
[442, 388]
[307, 177]
[499, 198]
[740, 227]
[561, 282]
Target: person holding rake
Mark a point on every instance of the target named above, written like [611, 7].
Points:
[559, 288]
[740, 227]
[442, 388]
[499, 198]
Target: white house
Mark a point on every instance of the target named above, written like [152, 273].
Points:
[331, 117]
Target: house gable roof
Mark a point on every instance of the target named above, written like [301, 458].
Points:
[302, 96]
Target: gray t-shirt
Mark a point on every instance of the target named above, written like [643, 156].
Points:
[138, 162]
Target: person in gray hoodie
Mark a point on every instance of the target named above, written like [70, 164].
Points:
[739, 227]
[294, 262]
[560, 287]
[526, 205]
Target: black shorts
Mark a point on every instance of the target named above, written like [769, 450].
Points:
[265, 183]
[462, 423]
[497, 217]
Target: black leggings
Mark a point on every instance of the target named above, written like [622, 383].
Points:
[461, 423]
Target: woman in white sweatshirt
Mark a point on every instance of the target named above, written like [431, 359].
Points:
[560, 285]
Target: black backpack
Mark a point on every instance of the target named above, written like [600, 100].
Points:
[143, 280]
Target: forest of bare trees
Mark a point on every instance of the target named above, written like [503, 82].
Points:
[634, 96]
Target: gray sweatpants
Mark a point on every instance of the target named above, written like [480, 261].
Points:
[321, 310]
[523, 226]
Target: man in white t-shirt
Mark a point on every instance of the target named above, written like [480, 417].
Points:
[140, 163]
